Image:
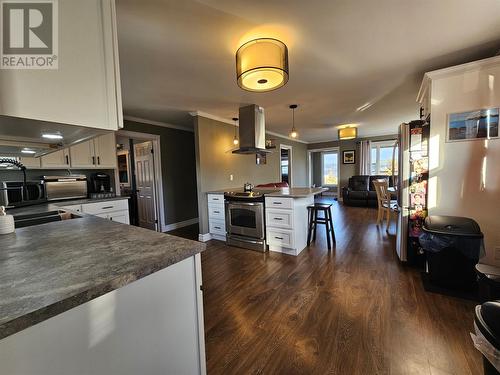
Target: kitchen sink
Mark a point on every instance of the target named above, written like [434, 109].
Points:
[28, 220]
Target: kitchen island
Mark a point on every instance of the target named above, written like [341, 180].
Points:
[92, 296]
[285, 217]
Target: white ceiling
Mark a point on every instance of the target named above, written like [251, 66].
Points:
[178, 56]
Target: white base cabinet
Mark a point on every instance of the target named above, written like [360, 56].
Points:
[286, 224]
[216, 216]
[152, 326]
[114, 210]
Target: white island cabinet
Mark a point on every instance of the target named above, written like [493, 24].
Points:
[216, 216]
[150, 326]
[286, 223]
[85, 88]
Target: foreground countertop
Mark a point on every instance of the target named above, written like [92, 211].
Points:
[279, 192]
[50, 268]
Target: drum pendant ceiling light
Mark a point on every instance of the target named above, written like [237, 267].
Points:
[262, 65]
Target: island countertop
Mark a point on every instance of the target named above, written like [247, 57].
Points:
[279, 192]
[50, 268]
[296, 192]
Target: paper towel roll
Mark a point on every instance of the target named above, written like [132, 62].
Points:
[6, 222]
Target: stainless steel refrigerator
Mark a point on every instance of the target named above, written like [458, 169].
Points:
[412, 177]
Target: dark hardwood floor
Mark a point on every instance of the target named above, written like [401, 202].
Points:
[353, 310]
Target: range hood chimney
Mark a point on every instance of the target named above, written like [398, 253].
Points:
[252, 130]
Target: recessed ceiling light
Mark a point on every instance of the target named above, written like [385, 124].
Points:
[28, 151]
[52, 136]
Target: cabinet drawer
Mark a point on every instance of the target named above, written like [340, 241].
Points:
[284, 203]
[216, 211]
[73, 207]
[119, 217]
[279, 218]
[279, 237]
[103, 207]
[216, 198]
[217, 227]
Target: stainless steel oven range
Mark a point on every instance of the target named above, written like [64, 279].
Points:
[245, 224]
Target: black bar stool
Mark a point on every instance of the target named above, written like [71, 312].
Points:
[314, 219]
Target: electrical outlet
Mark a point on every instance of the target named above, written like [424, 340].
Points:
[230, 177]
[497, 253]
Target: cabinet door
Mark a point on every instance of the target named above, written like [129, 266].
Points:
[30, 162]
[85, 89]
[58, 159]
[105, 151]
[83, 155]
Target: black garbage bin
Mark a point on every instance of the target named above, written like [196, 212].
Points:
[488, 278]
[453, 246]
[487, 337]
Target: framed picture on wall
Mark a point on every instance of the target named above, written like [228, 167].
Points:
[349, 157]
[260, 159]
[466, 126]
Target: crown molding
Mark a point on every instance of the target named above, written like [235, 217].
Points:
[287, 137]
[157, 123]
[212, 117]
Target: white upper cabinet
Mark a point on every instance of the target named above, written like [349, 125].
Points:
[83, 155]
[105, 151]
[30, 162]
[99, 152]
[85, 89]
[58, 159]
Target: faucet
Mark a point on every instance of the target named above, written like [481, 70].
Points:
[21, 167]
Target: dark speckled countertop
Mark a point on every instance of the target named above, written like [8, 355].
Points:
[50, 268]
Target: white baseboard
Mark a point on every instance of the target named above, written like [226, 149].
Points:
[204, 237]
[209, 236]
[180, 224]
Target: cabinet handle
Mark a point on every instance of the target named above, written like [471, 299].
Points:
[278, 218]
[278, 238]
[67, 159]
[111, 219]
[277, 203]
[215, 199]
[216, 212]
[107, 207]
[98, 160]
[217, 227]
[93, 159]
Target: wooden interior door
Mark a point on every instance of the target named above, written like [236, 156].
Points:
[145, 177]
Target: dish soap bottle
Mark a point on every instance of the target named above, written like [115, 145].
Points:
[6, 222]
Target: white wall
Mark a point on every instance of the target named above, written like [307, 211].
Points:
[465, 176]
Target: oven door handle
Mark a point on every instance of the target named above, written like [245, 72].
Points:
[244, 204]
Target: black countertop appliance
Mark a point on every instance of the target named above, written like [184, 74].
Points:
[100, 183]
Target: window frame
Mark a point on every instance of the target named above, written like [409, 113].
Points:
[378, 145]
[323, 153]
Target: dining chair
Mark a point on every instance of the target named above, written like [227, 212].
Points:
[386, 206]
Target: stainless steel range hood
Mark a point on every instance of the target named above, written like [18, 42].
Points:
[252, 131]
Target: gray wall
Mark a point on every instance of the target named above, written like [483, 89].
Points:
[348, 170]
[215, 163]
[316, 168]
[178, 168]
